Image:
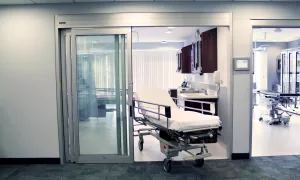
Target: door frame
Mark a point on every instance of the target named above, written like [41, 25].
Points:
[103, 20]
[71, 127]
[265, 23]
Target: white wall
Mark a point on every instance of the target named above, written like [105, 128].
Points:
[28, 126]
[28, 120]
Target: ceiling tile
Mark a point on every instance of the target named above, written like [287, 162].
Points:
[287, 0]
[134, 0]
[16, 2]
[92, 0]
[214, 0]
[174, 0]
[52, 1]
[251, 0]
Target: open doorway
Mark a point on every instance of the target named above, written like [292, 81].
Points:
[156, 64]
[276, 115]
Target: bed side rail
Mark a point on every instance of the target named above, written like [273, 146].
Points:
[167, 113]
[211, 105]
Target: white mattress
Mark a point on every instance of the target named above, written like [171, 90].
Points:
[180, 120]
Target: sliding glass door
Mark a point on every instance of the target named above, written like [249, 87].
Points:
[99, 88]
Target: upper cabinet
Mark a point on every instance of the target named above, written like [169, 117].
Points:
[200, 56]
[209, 53]
[186, 59]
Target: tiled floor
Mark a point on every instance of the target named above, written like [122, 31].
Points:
[99, 136]
[277, 168]
[274, 140]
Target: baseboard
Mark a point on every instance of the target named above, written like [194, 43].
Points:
[29, 161]
[237, 156]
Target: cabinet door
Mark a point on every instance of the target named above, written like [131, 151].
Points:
[193, 58]
[209, 54]
[186, 59]
[178, 62]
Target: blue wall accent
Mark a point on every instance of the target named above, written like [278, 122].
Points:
[295, 43]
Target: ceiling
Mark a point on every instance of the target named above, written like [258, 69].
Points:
[11, 2]
[149, 34]
[158, 34]
[270, 34]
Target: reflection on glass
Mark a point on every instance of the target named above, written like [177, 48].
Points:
[96, 95]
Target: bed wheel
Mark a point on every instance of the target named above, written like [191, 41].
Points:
[141, 145]
[167, 164]
[199, 162]
[260, 119]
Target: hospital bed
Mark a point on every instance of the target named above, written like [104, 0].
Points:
[175, 128]
[278, 106]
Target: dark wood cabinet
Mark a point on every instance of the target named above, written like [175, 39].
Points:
[186, 104]
[199, 105]
[179, 57]
[209, 53]
[173, 94]
[203, 53]
[186, 59]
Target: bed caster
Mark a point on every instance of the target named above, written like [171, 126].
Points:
[199, 162]
[141, 145]
[260, 119]
[167, 164]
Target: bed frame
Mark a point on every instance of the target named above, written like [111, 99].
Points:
[172, 142]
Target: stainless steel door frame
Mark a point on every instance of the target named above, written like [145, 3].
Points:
[102, 20]
[127, 155]
[67, 95]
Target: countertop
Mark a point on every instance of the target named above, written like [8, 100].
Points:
[197, 96]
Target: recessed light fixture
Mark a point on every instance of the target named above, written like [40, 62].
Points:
[171, 27]
[169, 31]
[164, 42]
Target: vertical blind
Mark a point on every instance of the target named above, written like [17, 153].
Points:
[155, 69]
[151, 69]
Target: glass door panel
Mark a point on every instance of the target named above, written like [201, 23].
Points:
[285, 73]
[97, 100]
[298, 72]
[100, 121]
[292, 63]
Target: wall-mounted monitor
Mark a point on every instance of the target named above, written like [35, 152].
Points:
[241, 64]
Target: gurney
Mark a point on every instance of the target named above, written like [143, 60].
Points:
[278, 106]
[175, 128]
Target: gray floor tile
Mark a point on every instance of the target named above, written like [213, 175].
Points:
[277, 168]
[6, 171]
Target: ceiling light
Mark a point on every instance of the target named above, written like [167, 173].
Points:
[171, 27]
[164, 42]
[277, 30]
[95, 42]
[169, 31]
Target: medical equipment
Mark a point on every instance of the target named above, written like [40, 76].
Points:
[277, 105]
[175, 128]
